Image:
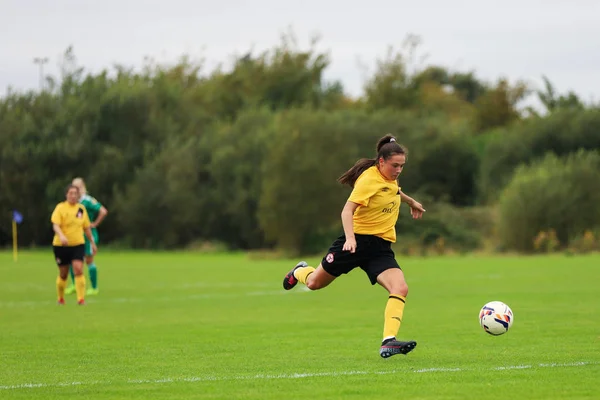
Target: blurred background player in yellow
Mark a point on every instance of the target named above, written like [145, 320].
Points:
[69, 222]
[96, 212]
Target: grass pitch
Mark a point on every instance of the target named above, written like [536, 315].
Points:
[196, 326]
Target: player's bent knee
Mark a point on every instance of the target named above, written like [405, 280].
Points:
[400, 288]
[314, 284]
[403, 289]
[319, 279]
[393, 281]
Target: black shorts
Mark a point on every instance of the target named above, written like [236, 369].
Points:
[65, 254]
[373, 255]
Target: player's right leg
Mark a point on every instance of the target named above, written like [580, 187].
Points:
[290, 279]
[336, 262]
[77, 263]
[61, 282]
[62, 262]
[314, 279]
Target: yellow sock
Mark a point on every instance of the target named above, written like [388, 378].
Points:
[394, 310]
[60, 287]
[80, 286]
[302, 273]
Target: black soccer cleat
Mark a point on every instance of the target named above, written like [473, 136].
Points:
[393, 347]
[290, 280]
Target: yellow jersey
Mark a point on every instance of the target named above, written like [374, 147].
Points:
[378, 202]
[72, 219]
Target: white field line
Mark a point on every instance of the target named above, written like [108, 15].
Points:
[159, 299]
[24, 286]
[289, 376]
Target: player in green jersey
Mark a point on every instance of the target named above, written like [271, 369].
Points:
[96, 212]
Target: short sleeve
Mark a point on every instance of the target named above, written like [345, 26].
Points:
[364, 189]
[56, 218]
[94, 205]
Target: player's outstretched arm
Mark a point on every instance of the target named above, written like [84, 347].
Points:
[416, 208]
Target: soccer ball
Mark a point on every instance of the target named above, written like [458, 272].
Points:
[496, 318]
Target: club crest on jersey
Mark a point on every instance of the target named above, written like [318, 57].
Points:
[80, 213]
[329, 258]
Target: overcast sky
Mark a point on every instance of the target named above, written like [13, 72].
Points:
[517, 39]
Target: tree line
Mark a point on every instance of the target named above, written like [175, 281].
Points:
[248, 158]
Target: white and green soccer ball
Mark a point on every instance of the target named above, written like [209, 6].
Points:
[496, 318]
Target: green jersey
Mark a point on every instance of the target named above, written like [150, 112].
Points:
[92, 206]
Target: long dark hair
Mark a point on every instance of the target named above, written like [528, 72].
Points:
[386, 148]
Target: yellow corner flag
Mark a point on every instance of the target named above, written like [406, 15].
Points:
[17, 218]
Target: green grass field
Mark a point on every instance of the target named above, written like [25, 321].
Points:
[196, 326]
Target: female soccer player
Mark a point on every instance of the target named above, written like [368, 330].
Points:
[369, 219]
[69, 222]
[96, 212]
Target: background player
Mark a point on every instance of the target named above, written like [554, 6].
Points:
[69, 222]
[97, 212]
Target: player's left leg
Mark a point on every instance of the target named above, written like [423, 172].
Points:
[313, 278]
[393, 281]
[79, 280]
[92, 269]
[61, 257]
[61, 282]
[93, 272]
[77, 263]
[71, 288]
[382, 268]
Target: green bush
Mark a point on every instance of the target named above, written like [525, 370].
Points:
[559, 194]
[443, 227]
[561, 133]
[587, 242]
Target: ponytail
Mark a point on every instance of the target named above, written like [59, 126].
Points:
[386, 147]
[349, 177]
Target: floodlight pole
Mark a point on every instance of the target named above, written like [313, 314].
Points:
[41, 61]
